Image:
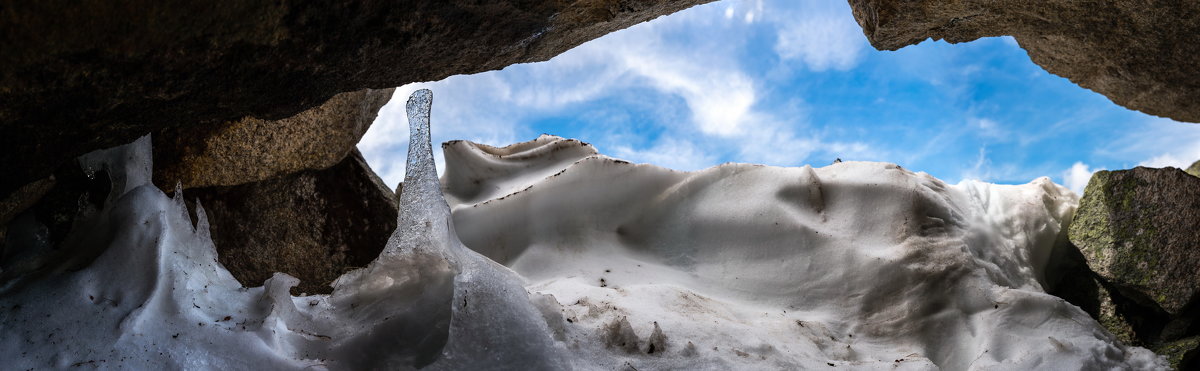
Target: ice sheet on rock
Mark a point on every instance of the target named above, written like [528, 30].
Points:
[856, 264]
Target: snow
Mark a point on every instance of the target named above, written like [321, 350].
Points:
[573, 260]
[857, 264]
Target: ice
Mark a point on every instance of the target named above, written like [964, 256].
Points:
[158, 299]
[581, 261]
[155, 299]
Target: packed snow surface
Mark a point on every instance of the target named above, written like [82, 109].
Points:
[573, 260]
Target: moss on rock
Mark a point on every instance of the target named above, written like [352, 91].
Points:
[1181, 354]
[1138, 230]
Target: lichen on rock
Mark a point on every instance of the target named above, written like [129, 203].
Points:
[1181, 354]
[1138, 229]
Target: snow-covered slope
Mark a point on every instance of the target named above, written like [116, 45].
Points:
[581, 261]
[857, 264]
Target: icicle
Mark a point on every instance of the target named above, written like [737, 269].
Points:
[424, 220]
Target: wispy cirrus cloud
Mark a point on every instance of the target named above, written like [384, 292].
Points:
[709, 101]
[821, 36]
[792, 83]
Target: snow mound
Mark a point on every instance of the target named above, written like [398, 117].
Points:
[581, 261]
[857, 264]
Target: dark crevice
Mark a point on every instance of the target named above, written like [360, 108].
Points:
[1141, 313]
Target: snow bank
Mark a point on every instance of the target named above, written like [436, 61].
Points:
[581, 261]
[857, 264]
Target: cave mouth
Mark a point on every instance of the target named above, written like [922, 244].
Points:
[286, 163]
[788, 84]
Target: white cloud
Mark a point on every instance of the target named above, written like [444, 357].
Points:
[1077, 176]
[988, 128]
[720, 116]
[670, 153]
[1180, 158]
[1160, 142]
[720, 100]
[822, 37]
[385, 144]
[980, 170]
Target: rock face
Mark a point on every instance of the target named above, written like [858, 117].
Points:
[21, 200]
[251, 150]
[1182, 354]
[1140, 54]
[258, 156]
[314, 225]
[79, 77]
[1139, 231]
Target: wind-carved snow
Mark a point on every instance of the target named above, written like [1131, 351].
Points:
[581, 261]
[857, 264]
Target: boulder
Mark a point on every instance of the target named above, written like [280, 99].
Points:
[76, 77]
[1140, 54]
[38, 218]
[1183, 354]
[1068, 277]
[248, 151]
[22, 199]
[314, 224]
[1139, 230]
[251, 150]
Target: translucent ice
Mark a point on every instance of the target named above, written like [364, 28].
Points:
[158, 299]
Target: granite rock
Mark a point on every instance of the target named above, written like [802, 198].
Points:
[251, 150]
[1142, 55]
[80, 76]
[313, 225]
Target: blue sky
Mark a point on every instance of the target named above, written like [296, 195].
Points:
[790, 83]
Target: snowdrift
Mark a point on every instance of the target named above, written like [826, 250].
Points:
[547, 255]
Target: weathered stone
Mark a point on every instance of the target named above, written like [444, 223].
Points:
[1194, 169]
[1132, 319]
[251, 150]
[242, 152]
[22, 199]
[313, 225]
[35, 246]
[80, 76]
[1140, 231]
[1181, 354]
[1113, 320]
[1068, 277]
[1142, 55]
